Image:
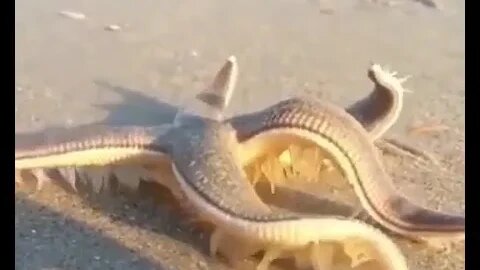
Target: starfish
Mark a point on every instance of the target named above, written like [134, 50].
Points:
[206, 151]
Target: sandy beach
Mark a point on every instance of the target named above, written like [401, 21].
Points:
[134, 62]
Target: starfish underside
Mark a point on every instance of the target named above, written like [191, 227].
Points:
[298, 165]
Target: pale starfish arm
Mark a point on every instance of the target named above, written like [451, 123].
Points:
[90, 147]
[349, 145]
[377, 113]
[211, 102]
[379, 110]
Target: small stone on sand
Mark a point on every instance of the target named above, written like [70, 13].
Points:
[113, 27]
[427, 129]
[73, 15]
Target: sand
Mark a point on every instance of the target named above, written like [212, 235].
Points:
[72, 71]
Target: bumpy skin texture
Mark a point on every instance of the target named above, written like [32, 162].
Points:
[205, 161]
[206, 156]
[84, 138]
[379, 196]
[355, 155]
[135, 144]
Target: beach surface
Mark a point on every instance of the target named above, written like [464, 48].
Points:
[135, 62]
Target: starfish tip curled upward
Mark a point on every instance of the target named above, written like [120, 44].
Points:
[383, 75]
[211, 102]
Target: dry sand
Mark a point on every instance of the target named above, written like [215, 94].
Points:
[76, 71]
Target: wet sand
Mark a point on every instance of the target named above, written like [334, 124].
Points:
[72, 72]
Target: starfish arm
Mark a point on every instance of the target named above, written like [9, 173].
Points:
[93, 153]
[211, 102]
[206, 168]
[89, 145]
[376, 112]
[379, 110]
[347, 143]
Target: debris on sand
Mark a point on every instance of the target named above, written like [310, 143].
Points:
[113, 27]
[326, 11]
[429, 3]
[427, 128]
[194, 53]
[73, 15]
